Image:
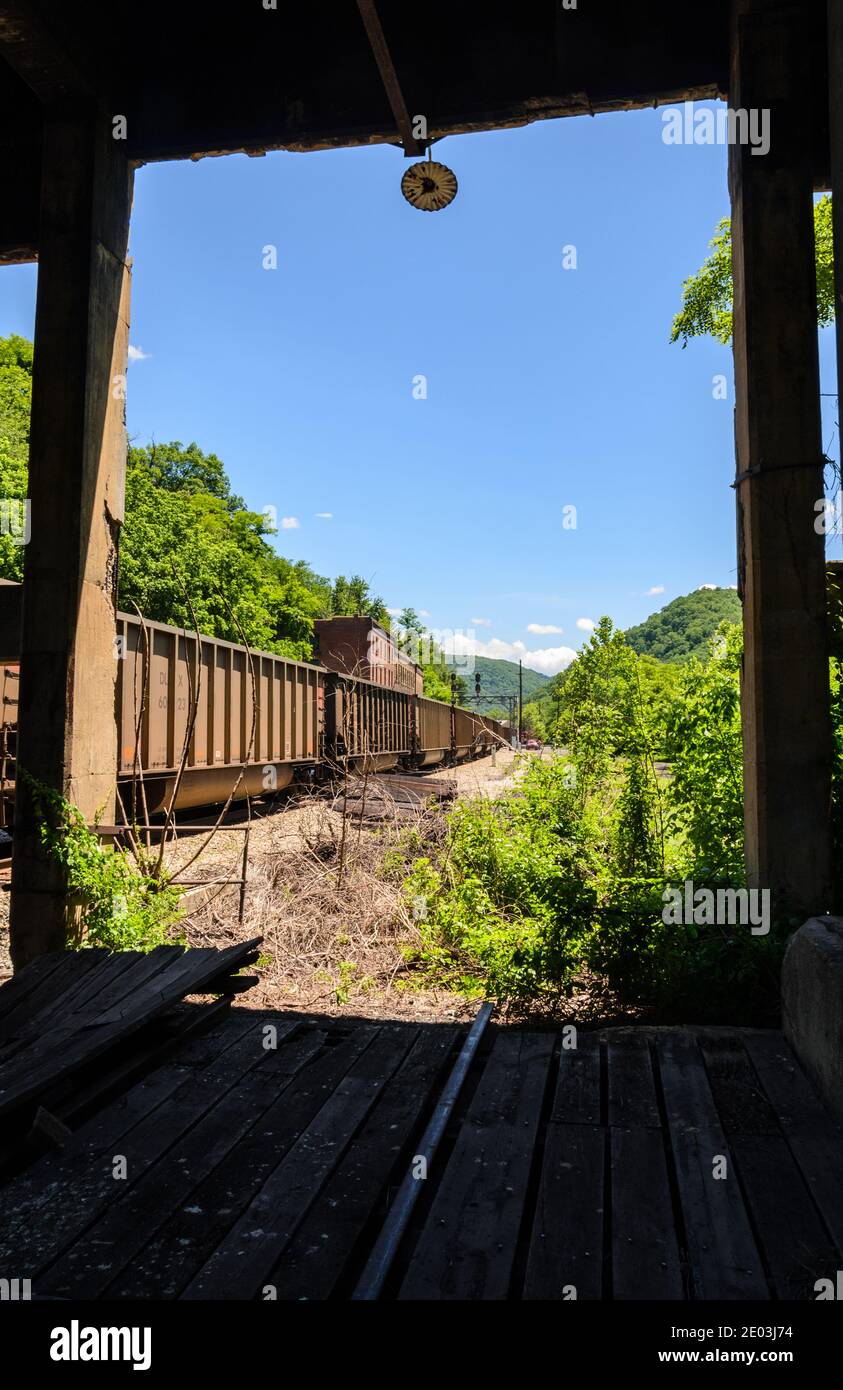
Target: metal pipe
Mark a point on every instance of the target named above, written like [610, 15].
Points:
[372, 1279]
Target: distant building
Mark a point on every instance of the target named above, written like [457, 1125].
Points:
[361, 647]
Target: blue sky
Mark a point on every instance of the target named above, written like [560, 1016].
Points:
[546, 387]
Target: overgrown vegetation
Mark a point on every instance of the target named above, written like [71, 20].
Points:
[117, 900]
[567, 873]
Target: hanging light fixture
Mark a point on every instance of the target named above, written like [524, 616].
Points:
[429, 186]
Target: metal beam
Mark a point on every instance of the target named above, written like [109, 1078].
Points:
[389, 77]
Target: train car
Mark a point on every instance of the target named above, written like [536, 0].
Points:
[432, 732]
[368, 727]
[261, 721]
[469, 735]
[164, 673]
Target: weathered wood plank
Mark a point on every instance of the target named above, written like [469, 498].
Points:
[645, 1255]
[24, 1200]
[242, 1263]
[28, 982]
[814, 1136]
[107, 974]
[797, 1105]
[741, 1104]
[112, 1245]
[91, 1186]
[723, 1256]
[314, 1262]
[467, 1248]
[577, 1096]
[188, 1238]
[566, 1243]
[632, 1101]
[112, 1016]
[62, 982]
[797, 1247]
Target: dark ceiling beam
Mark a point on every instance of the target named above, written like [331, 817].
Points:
[32, 51]
[389, 77]
[20, 180]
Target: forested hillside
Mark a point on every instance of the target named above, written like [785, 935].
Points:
[678, 633]
[681, 630]
[501, 678]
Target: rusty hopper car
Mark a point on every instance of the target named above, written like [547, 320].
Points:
[468, 734]
[163, 669]
[306, 720]
[366, 725]
[432, 732]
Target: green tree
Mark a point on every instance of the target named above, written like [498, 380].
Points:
[705, 746]
[707, 295]
[15, 403]
[186, 470]
[191, 542]
[684, 627]
[352, 598]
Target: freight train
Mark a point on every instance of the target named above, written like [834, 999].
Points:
[255, 722]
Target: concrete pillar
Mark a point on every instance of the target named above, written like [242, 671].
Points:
[785, 700]
[67, 736]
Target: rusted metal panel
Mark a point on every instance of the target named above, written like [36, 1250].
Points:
[468, 732]
[367, 723]
[223, 680]
[432, 731]
[9, 682]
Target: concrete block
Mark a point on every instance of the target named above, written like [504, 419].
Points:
[812, 1004]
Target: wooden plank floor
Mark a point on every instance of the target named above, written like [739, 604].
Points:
[260, 1161]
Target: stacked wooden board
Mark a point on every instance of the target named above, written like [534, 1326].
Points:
[75, 1025]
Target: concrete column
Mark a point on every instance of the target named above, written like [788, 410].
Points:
[67, 736]
[786, 724]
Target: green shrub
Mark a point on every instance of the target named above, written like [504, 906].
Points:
[118, 903]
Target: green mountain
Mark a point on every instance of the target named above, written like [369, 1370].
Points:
[681, 629]
[501, 678]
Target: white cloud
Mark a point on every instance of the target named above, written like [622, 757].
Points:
[137, 354]
[544, 629]
[394, 612]
[709, 586]
[289, 523]
[481, 622]
[423, 613]
[325, 516]
[548, 660]
[586, 624]
[656, 589]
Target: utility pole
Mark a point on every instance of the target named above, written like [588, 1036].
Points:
[520, 704]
